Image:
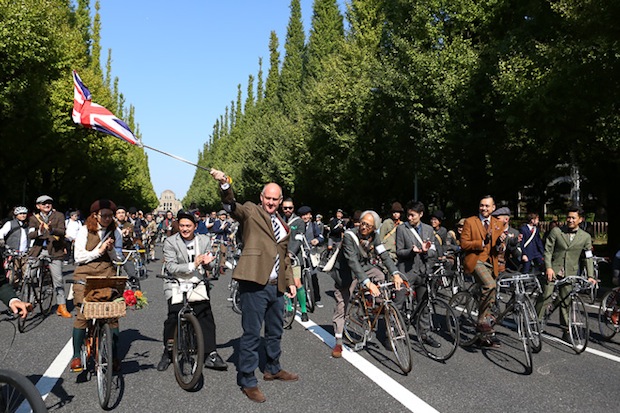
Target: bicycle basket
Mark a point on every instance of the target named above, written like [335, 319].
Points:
[112, 309]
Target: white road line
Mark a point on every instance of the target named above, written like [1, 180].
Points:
[51, 376]
[587, 350]
[391, 386]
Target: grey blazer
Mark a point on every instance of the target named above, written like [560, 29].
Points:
[412, 263]
[176, 259]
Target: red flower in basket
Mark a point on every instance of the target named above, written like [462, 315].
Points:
[130, 298]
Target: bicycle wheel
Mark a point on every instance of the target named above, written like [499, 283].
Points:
[607, 312]
[438, 330]
[533, 325]
[523, 327]
[236, 299]
[356, 325]
[465, 308]
[307, 280]
[188, 352]
[578, 324]
[27, 294]
[104, 365]
[398, 336]
[290, 309]
[45, 290]
[16, 389]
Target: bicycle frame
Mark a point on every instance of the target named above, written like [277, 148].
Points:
[372, 314]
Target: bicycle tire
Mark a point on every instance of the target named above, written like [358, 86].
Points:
[236, 299]
[610, 305]
[533, 326]
[307, 280]
[104, 364]
[578, 324]
[465, 308]
[16, 389]
[290, 309]
[45, 290]
[356, 325]
[398, 336]
[442, 328]
[188, 352]
[27, 294]
[523, 327]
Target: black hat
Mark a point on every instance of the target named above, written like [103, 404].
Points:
[186, 215]
[121, 207]
[133, 210]
[437, 214]
[303, 210]
[103, 203]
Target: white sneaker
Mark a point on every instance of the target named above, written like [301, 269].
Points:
[319, 304]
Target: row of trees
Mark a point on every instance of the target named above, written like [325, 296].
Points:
[452, 99]
[42, 150]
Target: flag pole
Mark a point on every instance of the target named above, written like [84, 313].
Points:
[175, 157]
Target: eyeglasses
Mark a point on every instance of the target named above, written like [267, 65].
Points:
[366, 224]
[106, 216]
[287, 207]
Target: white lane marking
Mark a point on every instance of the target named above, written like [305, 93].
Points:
[51, 376]
[391, 386]
[587, 350]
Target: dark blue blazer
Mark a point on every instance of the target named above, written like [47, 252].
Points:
[535, 248]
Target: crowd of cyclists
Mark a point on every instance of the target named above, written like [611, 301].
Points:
[359, 251]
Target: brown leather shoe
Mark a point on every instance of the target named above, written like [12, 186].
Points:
[281, 375]
[62, 311]
[76, 365]
[337, 351]
[254, 394]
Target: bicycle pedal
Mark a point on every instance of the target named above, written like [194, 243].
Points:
[358, 347]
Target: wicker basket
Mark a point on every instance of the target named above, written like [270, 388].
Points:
[114, 309]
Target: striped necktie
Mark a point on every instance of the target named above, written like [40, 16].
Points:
[276, 233]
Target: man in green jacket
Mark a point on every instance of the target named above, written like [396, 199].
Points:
[563, 250]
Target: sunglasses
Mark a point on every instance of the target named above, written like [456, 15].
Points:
[287, 207]
[366, 225]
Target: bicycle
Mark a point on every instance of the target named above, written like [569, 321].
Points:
[466, 305]
[609, 314]
[13, 266]
[97, 349]
[361, 321]
[577, 314]
[188, 349]
[308, 264]
[290, 309]
[16, 391]
[437, 326]
[592, 288]
[36, 288]
[133, 282]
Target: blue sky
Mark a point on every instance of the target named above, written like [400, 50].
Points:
[179, 64]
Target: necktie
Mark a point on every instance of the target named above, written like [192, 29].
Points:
[486, 224]
[276, 233]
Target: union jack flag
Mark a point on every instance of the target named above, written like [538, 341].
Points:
[94, 116]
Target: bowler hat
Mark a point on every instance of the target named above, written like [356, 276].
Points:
[397, 207]
[101, 204]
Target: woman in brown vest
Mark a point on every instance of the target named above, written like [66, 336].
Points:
[97, 244]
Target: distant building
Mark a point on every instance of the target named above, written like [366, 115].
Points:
[168, 201]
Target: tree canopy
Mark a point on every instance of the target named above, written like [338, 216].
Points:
[43, 151]
[434, 99]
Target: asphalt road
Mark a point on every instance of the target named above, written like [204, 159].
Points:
[472, 380]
